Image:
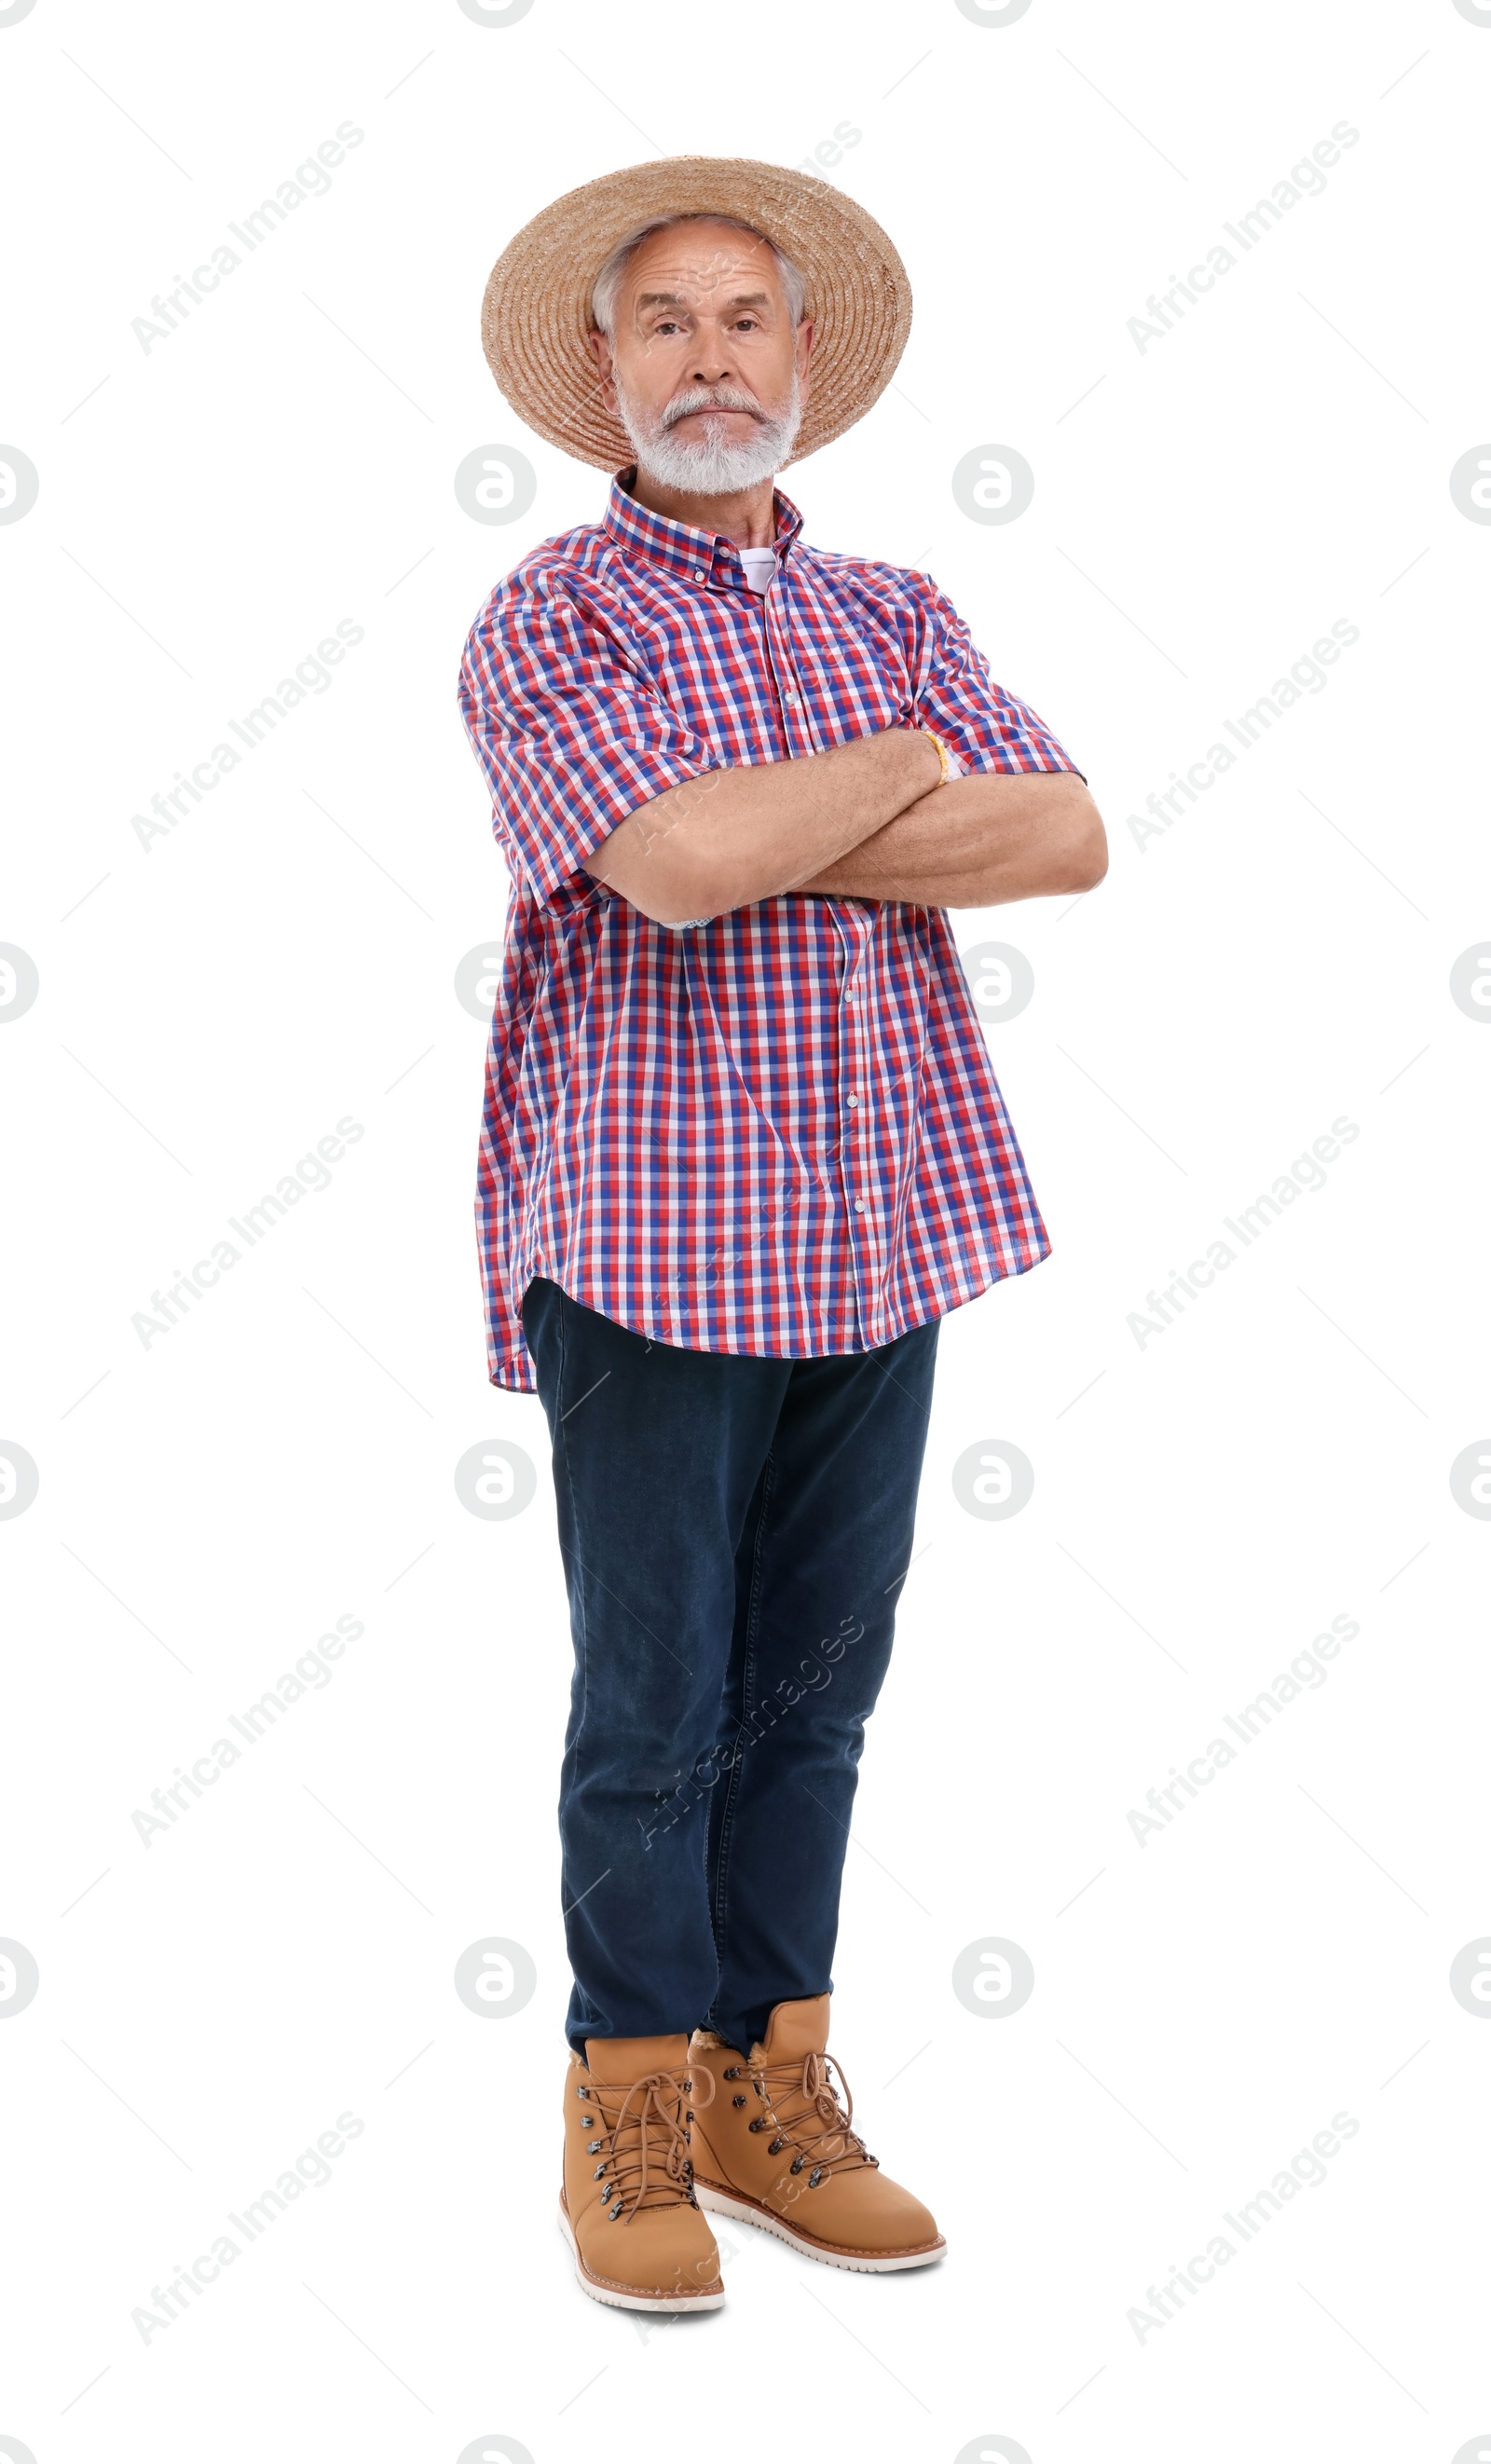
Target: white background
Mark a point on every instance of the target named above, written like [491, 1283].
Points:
[1203, 1505]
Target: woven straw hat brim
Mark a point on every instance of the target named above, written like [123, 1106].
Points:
[535, 313]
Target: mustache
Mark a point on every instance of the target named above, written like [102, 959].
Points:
[707, 398]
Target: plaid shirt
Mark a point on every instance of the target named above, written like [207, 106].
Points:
[779, 1131]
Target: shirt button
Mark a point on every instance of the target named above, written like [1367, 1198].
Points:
[853, 1101]
[859, 1206]
[698, 577]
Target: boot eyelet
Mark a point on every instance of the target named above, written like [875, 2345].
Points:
[738, 2101]
[796, 2165]
[776, 2147]
[814, 2178]
[762, 2122]
[735, 2071]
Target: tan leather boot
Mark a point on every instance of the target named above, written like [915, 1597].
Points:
[628, 2207]
[777, 2150]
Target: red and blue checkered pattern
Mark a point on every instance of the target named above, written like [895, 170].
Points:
[776, 1132]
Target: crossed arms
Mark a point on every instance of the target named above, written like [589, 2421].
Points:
[865, 819]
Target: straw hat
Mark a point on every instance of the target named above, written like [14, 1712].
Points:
[537, 310]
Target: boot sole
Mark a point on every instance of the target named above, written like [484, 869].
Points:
[750, 2211]
[618, 2296]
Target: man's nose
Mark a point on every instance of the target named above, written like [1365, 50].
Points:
[712, 358]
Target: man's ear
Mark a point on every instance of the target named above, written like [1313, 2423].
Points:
[805, 356]
[600, 346]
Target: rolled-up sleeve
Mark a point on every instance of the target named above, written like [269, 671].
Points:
[570, 733]
[957, 698]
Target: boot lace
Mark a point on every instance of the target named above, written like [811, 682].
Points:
[803, 2108]
[641, 2136]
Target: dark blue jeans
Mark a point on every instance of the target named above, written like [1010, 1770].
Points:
[735, 1533]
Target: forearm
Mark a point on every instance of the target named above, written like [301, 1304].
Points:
[978, 841]
[733, 836]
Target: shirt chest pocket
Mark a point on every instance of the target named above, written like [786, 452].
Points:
[853, 684]
[810, 679]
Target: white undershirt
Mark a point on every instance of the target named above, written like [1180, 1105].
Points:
[760, 566]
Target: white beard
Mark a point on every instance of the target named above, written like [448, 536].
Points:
[713, 466]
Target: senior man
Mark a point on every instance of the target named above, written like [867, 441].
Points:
[743, 1151]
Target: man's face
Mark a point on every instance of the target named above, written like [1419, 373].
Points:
[705, 368]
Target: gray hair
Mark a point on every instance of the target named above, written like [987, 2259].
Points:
[608, 281]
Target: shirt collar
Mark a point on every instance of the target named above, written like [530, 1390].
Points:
[694, 555]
